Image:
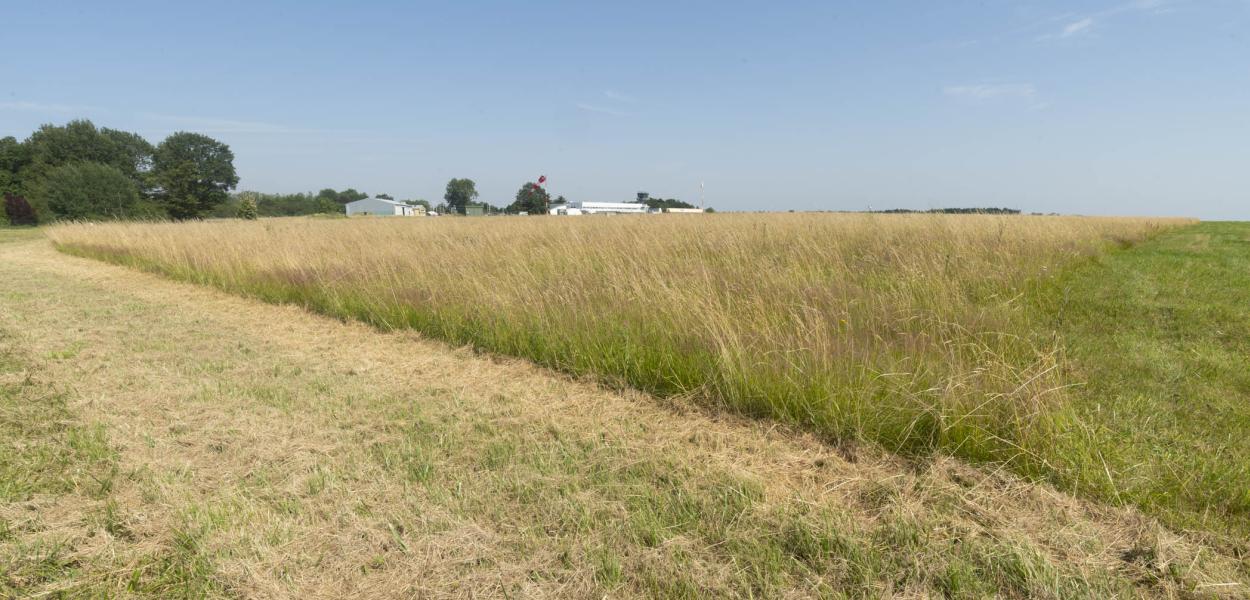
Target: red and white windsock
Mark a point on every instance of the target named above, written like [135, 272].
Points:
[542, 179]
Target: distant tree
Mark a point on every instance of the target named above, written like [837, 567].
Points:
[954, 211]
[351, 195]
[459, 193]
[89, 191]
[532, 199]
[385, 197]
[193, 173]
[668, 203]
[330, 200]
[279, 205]
[442, 209]
[19, 211]
[247, 207]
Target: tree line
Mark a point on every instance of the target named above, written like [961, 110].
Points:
[327, 201]
[79, 171]
[954, 211]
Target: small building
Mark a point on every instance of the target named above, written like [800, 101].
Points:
[473, 209]
[684, 210]
[380, 207]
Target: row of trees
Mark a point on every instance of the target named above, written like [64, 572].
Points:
[954, 211]
[327, 201]
[668, 203]
[532, 199]
[78, 171]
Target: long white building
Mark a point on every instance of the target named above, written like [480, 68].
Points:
[578, 207]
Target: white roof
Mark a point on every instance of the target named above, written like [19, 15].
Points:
[391, 202]
[622, 205]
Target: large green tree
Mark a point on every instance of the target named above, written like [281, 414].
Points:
[79, 141]
[193, 174]
[532, 199]
[25, 167]
[89, 191]
[459, 193]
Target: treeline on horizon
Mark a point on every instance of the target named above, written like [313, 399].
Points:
[952, 211]
[460, 194]
[81, 172]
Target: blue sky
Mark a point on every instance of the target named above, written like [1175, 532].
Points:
[1116, 107]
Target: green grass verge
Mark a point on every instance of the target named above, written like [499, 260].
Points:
[18, 234]
[1159, 336]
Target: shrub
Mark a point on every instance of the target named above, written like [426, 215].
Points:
[19, 211]
[247, 209]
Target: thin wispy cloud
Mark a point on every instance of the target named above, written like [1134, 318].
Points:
[619, 97]
[47, 108]
[1077, 27]
[603, 110]
[982, 92]
[217, 125]
[1019, 94]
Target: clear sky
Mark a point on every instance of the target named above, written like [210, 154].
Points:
[1095, 107]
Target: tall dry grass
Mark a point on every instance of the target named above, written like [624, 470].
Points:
[908, 330]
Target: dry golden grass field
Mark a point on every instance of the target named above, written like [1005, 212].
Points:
[782, 406]
[906, 330]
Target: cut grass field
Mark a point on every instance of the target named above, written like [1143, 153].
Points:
[1159, 339]
[253, 450]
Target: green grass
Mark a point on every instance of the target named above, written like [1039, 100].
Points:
[1159, 338]
[9, 234]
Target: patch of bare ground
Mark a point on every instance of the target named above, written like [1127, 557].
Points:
[262, 451]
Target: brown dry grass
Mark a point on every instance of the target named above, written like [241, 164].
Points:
[906, 330]
[266, 452]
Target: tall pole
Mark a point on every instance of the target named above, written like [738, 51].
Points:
[701, 195]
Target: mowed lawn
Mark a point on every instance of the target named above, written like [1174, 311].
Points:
[1158, 339]
[168, 440]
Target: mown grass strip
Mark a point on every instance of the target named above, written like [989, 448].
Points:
[48, 455]
[1159, 339]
